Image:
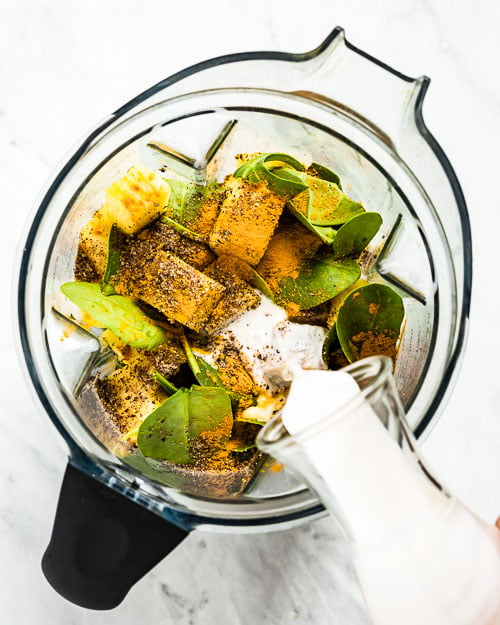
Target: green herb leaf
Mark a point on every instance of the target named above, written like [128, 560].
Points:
[184, 200]
[116, 312]
[325, 233]
[319, 279]
[113, 261]
[205, 374]
[321, 171]
[369, 322]
[355, 234]
[167, 433]
[332, 353]
[324, 204]
[262, 167]
[209, 407]
[194, 236]
[331, 342]
[166, 384]
[259, 283]
[313, 172]
[163, 434]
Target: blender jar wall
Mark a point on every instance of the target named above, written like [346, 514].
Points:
[428, 207]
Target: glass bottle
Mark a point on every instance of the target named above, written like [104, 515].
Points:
[422, 557]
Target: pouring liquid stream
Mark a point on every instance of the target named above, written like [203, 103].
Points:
[420, 555]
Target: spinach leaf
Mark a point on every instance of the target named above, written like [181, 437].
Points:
[209, 407]
[369, 322]
[325, 233]
[355, 234]
[205, 374]
[166, 384]
[265, 167]
[330, 343]
[252, 420]
[324, 204]
[113, 261]
[116, 312]
[184, 201]
[321, 171]
[332, 353]
[259, 283]
[319, 279]
[314, 171]
[189, 234]
[167, 433]
[163, 434]
[157, 470]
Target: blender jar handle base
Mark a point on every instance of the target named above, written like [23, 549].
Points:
[102, 543]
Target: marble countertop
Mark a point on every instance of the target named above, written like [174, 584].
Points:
[66, 65]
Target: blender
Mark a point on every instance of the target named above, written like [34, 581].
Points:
[336, 105]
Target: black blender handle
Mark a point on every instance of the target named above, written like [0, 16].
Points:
[102, 543]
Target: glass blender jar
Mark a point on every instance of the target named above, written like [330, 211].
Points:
[336, 105]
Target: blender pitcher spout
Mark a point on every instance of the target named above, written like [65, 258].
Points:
[381, 98]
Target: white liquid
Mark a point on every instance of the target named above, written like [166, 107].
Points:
[422, 558]
[273, 346]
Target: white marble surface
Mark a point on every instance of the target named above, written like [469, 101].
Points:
[65, 65]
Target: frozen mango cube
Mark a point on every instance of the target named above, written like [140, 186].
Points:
[179, 291]
[94, 239]
[238, 297]
[247, 220]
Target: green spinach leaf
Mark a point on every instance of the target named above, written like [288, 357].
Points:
[319, 279]
[369, 322]
[185, 204]
[242, 448]
[205, 374]
[259, 283]
[113, 261]
[166, 384]
[330, 343]
[325, 233]
[355, 234]
[167, 433]
[281, 181]
[116, 312]
[164, 433]
[324, 204]
[189, 234]
[321, 171]
[184, 201]
[209, 407]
